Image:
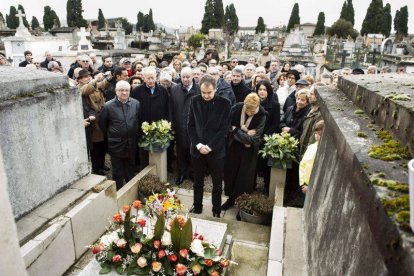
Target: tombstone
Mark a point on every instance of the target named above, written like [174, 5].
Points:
[119, 39]
[22, 31]
[3, 25]
[84, 44]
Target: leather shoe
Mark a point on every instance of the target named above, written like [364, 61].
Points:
[179, 180]
[238, 216]
[106, 168]
[227, 205]
[196, 210]
[216, 214]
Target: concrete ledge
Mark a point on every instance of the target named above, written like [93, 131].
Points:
[276, 244]
[294, 260]
[129, 192]
[17, 81]
[33, 222]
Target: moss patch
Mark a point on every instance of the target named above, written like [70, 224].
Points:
[359, 112]
[390, 150]
[403, 216]
[361, 134]
[396, 205]
[390, 184]
[394, 96]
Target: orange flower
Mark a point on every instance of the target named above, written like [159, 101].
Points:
[157, 244]
[180, 269]
[126, 208]
[208, 262]
[142, 222]
[156, 266]
[117, 218]
[196, 269]
[214, 273]
[224, 263]
[183, 253]
[97, 248]
[137, 204]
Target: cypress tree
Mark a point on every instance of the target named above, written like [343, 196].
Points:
[101, 20]
[35, 23]
[344, 11]
[151, 24]
[320, 25]
[372, 22]
[219, 13]
[145, 26]
[140, 21]
[351, 12]
[126, 25]
[387, 20]
[56, 21]
[50, 18]
[401, 23]
[12, 20]
[261, 27]
[208, 21]
[294, 18]
[25, 22]
[231, 20]
[74, 14]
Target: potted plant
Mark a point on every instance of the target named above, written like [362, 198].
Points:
[157, 136]
[149, 185]
[255, 208]
[280, 149]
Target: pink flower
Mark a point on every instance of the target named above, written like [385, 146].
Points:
[126, 208]
[121, 243]
[136, 248]
[173, 258]
[157, 244]
[116, 258]
[142, 262]
[117, 218]
[161, 254]
[224, 263]
[180, 269]
[156, 266]
[183, 253]
[97, 248]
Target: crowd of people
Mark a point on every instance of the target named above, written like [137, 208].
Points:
[219, 115]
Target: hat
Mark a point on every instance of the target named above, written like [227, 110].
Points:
[294, 73]
[302, 82]
[358, 71]
[83, 73]
[126, 61]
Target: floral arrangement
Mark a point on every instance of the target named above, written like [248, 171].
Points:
[163, 203]
[134, 249]
[280, 147]
[156, 135]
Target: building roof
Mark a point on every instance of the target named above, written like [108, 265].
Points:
[63, 30]
[308, 24]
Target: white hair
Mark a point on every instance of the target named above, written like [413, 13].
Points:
[149, 71]
[260, 69]
[165, 76]
[213, 70]
[251, 66]
[186, 71]
[300, 68]
[122, 84]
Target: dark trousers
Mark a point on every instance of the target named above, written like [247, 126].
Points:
[183, 160]
[98, 151]
[200, 167]
[122, 169]
[143, 158]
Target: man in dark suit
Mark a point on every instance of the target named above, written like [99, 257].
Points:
[27, 59]
[208, 124]
[154, 102]
[180, 100]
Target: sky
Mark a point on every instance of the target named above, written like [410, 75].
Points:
[190, 12]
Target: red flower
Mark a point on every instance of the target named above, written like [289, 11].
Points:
[180, 269]
[198, 236]
[214, 273]
[183, 253]
[224, 263]
[97, 248]
[208, 262]
[116, 258]
[126, 208]
[117, 218]
[173, 258]
[157, 244]
[137, 204]
[142, 222]
[161, 254]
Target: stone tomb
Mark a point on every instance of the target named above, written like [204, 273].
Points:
[215, 232]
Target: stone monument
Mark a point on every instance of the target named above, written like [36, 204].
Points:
[119, 39]
[84, 44]
[22, 31]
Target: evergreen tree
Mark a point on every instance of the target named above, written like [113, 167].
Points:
[351, 13]
[261, 27]
[344, 11]
[386, 20]
[101, 20]
[50, 18]
[25, 22]
[126, 25]
[208, 21]
[342, 28]
[145, 26]
[140, 21]
[12, 20]
[231, 20]
[35, 23]
[2, 20]
[294, 18]
[74, 14]
[401, 23]
[320, 25]
[219, 13]
[151, 24]
[373, 19]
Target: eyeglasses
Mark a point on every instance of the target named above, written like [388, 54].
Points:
[234, 61]
[291, 78]
[85, 60]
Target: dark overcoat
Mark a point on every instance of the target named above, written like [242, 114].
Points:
[294, 120]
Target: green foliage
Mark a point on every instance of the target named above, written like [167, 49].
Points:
[261, 27]
[181, 238]
[390, 150]
[101, 20]
[377, 19]
[159, 227]
[393, 206]
[294, 18]
[195, 40]
[209, 21]
[50, 18]
[140, 21]
[281, 147]
[74, 14]
[401, 23]
[342, 28]
[219, 13]
[387, 20]
[347, 12]
[12, 20]
[35, 23]
[231, 20]
[394, 96]
[151, 25]
[157, 133]
[320, 25]
[344, 11]
[392, 185]
[126, 25]
[255, 204]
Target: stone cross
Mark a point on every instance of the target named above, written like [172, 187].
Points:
[20, 15]
[83, 33]
[118, 25]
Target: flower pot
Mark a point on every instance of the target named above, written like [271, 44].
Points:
[275, 163]
[156, 147]
[261, 219]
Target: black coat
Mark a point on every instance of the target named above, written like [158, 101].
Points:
[45, 63]
[110, 91]
[119, 122]
[240, 90]
[24, 63]
[290, 101]
[180, 101]
[208, 123]
[154, 107]
[240, 163]
[272, 107]
[224, 89]
[294, 119]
